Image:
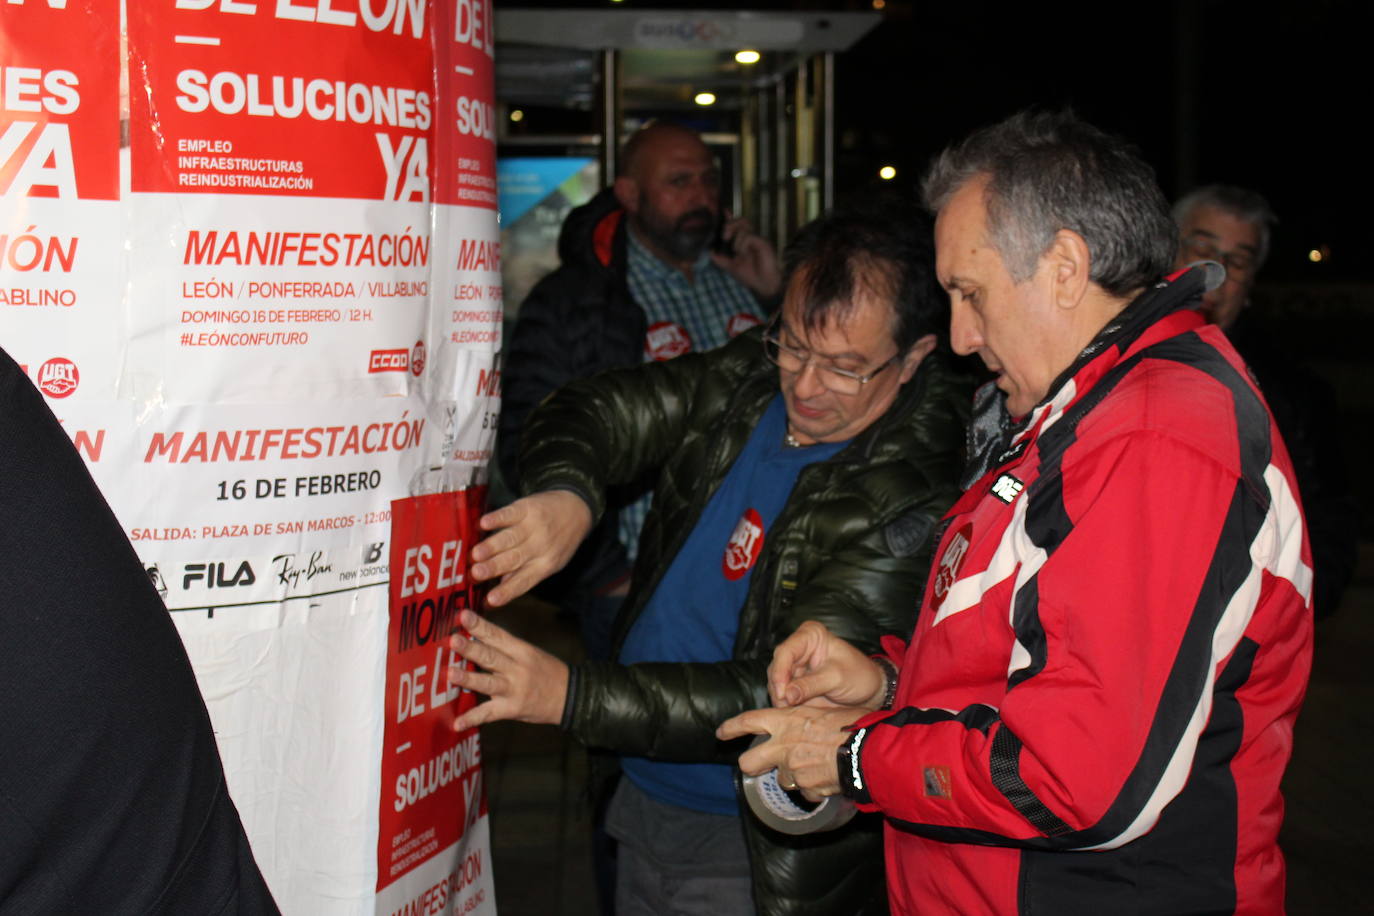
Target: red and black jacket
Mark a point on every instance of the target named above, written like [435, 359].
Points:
[1096, 707]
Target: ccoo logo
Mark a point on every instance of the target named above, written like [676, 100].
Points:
[388, 361]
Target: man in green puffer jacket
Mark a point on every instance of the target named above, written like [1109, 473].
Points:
[801, 472]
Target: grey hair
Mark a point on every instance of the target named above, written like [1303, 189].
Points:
[1242, 203]
[1049, 170]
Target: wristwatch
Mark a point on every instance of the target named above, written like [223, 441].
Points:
[850, 772]
[889, 679]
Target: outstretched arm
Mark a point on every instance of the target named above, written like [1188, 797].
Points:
[535, 537]
[672, 710]
[521, 681]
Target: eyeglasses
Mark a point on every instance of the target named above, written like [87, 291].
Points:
[1204, 249]
[795, 359]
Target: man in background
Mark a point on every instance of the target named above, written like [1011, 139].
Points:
[638, 282]
[1233, 227]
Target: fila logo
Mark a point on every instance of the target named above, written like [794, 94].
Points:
[1006, 488]
[215, 575]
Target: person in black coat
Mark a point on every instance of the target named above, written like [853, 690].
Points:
[112, 794]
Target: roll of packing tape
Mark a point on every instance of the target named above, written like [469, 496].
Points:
[789, 812]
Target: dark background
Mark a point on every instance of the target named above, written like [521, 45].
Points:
[1265, 95]
[1270, 96]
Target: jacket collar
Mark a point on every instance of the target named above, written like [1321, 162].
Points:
[1165, 310]
[593, 234]
[603, 237]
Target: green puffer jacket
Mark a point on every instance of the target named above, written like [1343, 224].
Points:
[850, 549]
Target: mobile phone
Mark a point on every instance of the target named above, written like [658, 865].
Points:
[719, 243]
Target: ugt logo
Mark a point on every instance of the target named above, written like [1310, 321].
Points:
[746, 542]
[950, 561]
[58, 377]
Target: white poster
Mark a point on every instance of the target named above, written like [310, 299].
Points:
[260, 287]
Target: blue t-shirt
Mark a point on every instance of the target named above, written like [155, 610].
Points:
[693, 615]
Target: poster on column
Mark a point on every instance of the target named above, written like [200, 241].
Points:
[431, 845]
[259, 286]
[467, 298]
[296, 357]
[282, 175]
[60, 238]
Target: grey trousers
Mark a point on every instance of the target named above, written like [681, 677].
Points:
[677, 861]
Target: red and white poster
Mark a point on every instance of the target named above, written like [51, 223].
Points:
[281, 173]
[249, 254]
[433, 807]
[60, 234]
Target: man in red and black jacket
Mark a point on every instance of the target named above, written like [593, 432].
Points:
[1096, 707]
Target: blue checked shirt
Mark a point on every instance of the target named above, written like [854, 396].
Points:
[700, 315]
